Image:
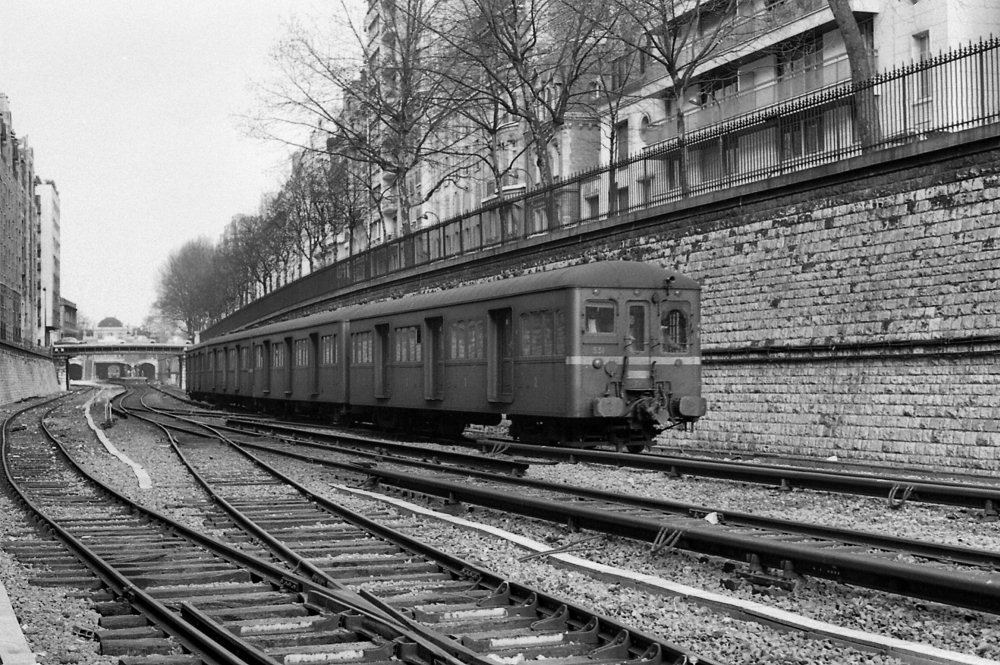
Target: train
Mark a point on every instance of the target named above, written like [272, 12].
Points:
[603, 353]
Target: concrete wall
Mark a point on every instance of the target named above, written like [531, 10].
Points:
[25, 375]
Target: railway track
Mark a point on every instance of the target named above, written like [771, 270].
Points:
[776, 550]
[897, 489]
[464, 611]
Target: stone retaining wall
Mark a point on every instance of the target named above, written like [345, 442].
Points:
[899, 257]
[24, 375]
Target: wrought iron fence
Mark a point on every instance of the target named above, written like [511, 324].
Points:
[954, 91]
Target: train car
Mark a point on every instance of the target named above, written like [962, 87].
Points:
[603, 352]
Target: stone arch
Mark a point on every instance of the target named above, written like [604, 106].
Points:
[145, 368]
[75, 369]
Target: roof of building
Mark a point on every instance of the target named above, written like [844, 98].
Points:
[109, 322]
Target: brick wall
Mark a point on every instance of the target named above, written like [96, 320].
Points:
[25, 375]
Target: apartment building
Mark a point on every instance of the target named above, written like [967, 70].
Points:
[20, 249]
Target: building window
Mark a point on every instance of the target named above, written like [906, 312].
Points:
[922, 53]
[621, 141]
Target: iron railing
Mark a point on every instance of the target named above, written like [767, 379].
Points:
[954, 91]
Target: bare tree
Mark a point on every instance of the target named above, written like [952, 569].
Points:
[681, 36]
[380, 101]
[533, 61]
[186, 292]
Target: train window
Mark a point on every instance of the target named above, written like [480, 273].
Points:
[466, 339]
[599, 317]
[244, 357]
[328, 349]
[361, 348]
[543, 333]
[637, 326]
[477, 339]
[259, 356]
[674, 326]
[408, 345]
[277, 355]
[559, 333]
[302, 353]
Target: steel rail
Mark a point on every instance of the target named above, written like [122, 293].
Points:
[186, 633]
[962, 555]
[647, 648]
[953, 588]
[196, 626]
[450, 649]
[984, 497]
[503, 465]
[966, 495]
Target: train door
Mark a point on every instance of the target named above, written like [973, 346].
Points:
[382, 360]
[434, 359]
[500, 364]
[638, 375]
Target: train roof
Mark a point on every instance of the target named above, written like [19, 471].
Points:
[602, 274]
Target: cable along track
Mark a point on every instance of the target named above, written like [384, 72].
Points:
[776, 549]
[465, 611]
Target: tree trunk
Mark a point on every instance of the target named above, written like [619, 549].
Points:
[862, 70]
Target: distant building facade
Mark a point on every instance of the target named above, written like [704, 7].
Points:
[20, 264]
[68, 326]
[51, 297]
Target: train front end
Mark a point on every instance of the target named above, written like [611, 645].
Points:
[639, 363]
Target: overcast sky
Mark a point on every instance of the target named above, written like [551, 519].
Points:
[133, 109]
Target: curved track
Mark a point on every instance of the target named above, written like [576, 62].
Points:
[465, 611]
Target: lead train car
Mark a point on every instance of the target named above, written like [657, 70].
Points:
[601, 352]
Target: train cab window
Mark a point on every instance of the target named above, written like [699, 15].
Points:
[599, 317]
[674, 326]
[637, 326]
[328, 349]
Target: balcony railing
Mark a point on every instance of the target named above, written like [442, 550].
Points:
[952, 92]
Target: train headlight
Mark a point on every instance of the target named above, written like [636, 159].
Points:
[597, 363]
